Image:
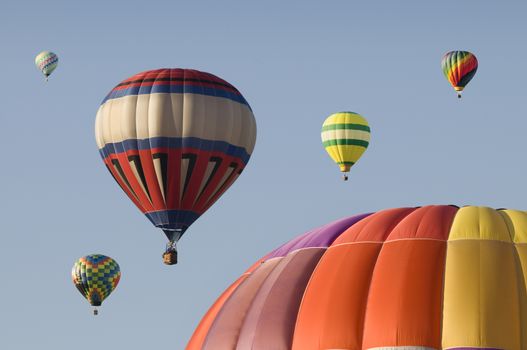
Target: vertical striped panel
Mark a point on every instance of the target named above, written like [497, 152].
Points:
[517, 225]
[200, 333]
[332, 312]
[224, 331]
[405, 296]
[271, 319]
[481, 301]
[405, 299]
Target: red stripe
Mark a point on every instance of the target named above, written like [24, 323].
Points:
[222, 190]
[208, 191]
[469, 65]
[147, 163]
[180, 151]
[173, 177]
[117, 176]
[194, 184]
[190, 200]
[134, 183]
[176, 73]
[94, 264]
[185, 83]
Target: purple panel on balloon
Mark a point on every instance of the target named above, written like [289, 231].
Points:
[317, 238]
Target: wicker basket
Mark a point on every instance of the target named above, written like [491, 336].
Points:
[170, 258]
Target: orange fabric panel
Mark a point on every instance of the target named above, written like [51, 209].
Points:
[405, 298]
[199, 335]
[332, 311]
[433, 222]
[374, 228]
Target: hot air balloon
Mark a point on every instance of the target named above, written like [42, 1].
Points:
[434, 277]
[345, 136]
[46, 62]
[95, 276]
[459, 67]
[175, 140]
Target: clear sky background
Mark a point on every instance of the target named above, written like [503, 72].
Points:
[295, 62]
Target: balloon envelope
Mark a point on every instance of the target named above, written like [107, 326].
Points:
[434, 277]
[175, 140]
[95, 276]
[459, 67]
[345, 136]
[46, 62]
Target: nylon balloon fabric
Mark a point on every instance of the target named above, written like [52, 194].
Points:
[46, 62]
[175, 140]
[96, 276]
[417, 278]
[459, 67]
[345, 136]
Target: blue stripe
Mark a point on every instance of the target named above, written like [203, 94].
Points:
[176, 89]
[175, 143]
[172, 219]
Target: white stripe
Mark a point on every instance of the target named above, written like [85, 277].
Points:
[175, 115]
[345, 134]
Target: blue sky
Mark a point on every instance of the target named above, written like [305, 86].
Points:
[295, 63]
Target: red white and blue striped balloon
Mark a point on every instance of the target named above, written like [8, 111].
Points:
[175, 140]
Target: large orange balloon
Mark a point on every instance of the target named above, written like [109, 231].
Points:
[434, 277]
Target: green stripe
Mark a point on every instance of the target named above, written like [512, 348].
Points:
[346, 163]
[347, 142]
[346, 127]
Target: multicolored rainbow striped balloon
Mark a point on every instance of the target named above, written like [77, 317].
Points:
[46, 62]
[95, 276]
[459, 67]
[345, 136]
[431, 278]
